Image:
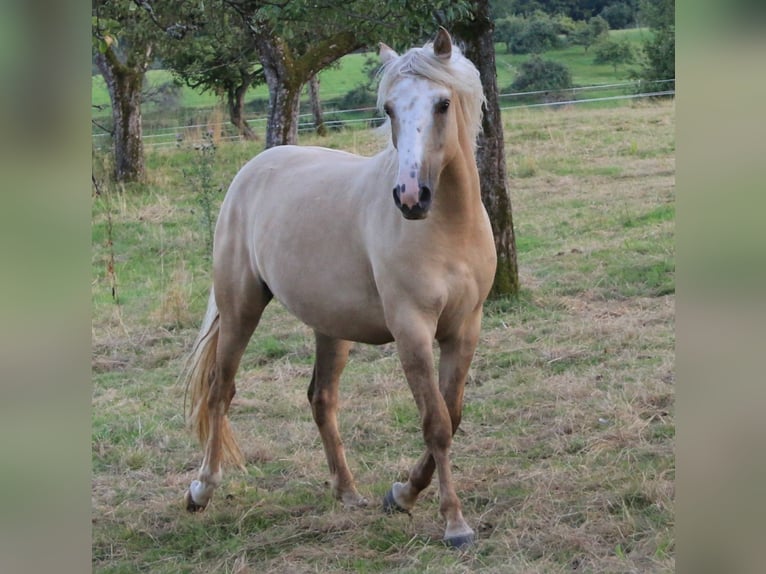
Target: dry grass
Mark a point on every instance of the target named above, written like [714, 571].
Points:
[565, 458]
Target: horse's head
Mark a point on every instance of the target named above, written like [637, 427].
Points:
[417, 94]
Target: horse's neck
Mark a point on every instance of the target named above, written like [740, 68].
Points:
[459, 187]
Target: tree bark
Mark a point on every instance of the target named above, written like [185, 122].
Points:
[284, 104]
[236, 101]
[284, 95]
[124, 83]
[316, 106]
[490, 157]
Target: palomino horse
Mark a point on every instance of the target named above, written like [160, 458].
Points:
[318, 230]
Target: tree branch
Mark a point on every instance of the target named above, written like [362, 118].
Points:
[175, 30]
[98, 125]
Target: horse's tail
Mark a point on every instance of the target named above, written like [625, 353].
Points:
[199, 374]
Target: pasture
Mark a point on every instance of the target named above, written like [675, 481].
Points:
[564, 461]
[348, 74]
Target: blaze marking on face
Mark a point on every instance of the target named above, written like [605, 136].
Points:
[413, 116]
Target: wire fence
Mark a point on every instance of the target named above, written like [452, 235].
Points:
[369, 116]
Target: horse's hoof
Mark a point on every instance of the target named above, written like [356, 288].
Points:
[461, 541]
[192, 506]
[390, 505]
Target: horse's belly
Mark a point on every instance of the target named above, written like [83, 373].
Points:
[334, 318]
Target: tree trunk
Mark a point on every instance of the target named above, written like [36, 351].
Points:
[282, 121]
[316, 106]
[287, 72]
[284, 95]
[124, 84]
[490, 157]
[236, 101]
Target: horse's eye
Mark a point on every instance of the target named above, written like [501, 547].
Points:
[442, 107]
[388, 111]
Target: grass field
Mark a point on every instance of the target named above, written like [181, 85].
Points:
[348, 74]
[565, 458]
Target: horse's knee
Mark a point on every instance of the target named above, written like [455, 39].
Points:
[437, 432]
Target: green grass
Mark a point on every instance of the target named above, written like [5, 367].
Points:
[575, 58]
[565, 457]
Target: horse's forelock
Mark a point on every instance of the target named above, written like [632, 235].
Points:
[458, 73]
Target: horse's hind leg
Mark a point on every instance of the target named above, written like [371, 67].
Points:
[240, 311]
[331, 357]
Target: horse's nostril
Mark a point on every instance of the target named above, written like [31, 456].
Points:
[425, 195]
[413, 211]
[397, 198]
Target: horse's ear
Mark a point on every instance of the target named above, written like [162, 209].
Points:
[386, 54]
[443, 44]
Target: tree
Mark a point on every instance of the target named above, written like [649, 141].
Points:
[506, 30]
[591, 32]
[563, 24]
[501, 9]
[477, 33]
[658, 14]
[125, 34]
[316, 106]
[540, 35]
[123, 41]
[599, 28]
[575, 9]
[524, 7]
[524, 35]
[286, 73]
[659, 52]
[296, 39]
[619, 16]
[614, 52]
[220, 56]
[537, 74]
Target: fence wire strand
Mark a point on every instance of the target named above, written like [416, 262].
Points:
[178, 133]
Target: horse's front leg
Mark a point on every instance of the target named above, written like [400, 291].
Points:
[440, 406]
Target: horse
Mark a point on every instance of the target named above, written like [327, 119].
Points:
[319, 230]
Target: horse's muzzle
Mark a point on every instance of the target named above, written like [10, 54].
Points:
[420, 209]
